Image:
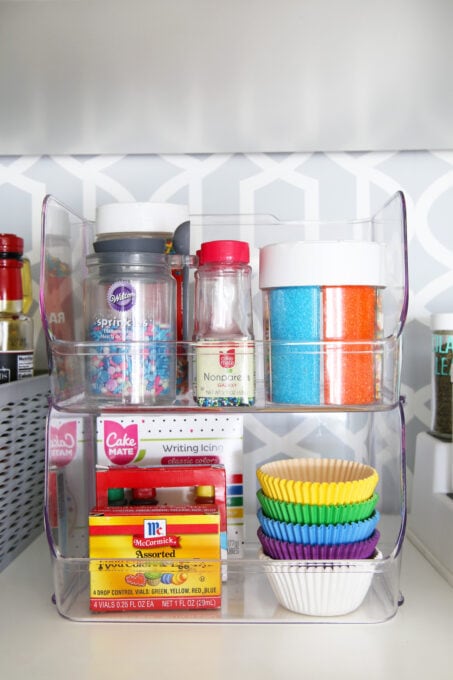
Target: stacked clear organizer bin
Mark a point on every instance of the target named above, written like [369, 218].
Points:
[241, 440]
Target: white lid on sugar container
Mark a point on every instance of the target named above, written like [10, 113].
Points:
[115, 218]
[442, 321]
[322, 263]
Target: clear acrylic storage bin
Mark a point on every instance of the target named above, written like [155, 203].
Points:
[254, 589]
[68, 240]
[241, 439]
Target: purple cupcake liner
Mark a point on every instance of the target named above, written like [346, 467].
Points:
[283, 550]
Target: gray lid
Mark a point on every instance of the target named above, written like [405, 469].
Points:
[131, 245]
[128, 259]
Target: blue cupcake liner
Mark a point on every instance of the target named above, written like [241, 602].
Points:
[319, 534]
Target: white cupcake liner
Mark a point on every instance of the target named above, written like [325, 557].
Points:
[325, 590]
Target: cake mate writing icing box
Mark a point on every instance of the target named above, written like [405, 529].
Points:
[156, 557]
[145, 439]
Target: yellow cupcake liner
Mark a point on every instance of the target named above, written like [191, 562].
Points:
[318, 481]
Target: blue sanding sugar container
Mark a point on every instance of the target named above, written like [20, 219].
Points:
[293, 277]
[292, 324]
[294, 318]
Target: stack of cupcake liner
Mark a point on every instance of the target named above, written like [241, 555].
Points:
[318, 509]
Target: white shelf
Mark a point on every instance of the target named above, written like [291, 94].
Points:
[36, 642]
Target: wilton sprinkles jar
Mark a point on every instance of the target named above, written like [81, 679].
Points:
[322, 313]
[167, 223]
[130, 312]
[224, 362]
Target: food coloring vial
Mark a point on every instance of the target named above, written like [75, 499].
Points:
[205, 495]
[144, 496]
[116, 497]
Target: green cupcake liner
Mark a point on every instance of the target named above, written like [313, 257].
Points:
[299, 513]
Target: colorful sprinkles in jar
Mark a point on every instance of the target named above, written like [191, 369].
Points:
[113, 369]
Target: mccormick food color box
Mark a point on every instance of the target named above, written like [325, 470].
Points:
[155, 559]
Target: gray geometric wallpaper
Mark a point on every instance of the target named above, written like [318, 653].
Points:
[319, 186]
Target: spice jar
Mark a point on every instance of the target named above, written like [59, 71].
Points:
[322, 312]
[442, 353]
[130, 312]
[16, 329]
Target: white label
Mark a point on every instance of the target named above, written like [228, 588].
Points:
[226, 371]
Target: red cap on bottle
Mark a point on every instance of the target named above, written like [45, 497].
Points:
[11, 251]
[11, 244]
[227, 252]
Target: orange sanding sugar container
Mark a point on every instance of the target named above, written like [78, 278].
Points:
[352, 323]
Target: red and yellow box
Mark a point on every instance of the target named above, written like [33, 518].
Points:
[156, 558]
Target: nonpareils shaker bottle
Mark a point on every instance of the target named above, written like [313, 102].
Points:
[224, 371]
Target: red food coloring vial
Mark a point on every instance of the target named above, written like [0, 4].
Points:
[144, 496]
